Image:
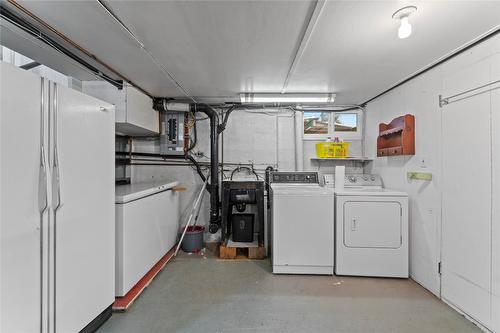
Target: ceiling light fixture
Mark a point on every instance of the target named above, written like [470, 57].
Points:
[258, 98]
[403, 15]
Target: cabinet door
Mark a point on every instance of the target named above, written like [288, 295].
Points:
[84, 225]
[140, 111]
[20, 217]
[369, 224]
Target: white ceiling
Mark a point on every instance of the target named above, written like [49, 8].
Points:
[221, 48]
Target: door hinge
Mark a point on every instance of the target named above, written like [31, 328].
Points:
[439, 268]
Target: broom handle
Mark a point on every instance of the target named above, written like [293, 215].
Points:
[193, 210]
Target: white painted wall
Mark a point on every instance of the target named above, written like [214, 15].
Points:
[420, 97]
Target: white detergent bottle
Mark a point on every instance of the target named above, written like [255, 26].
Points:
[339, 177]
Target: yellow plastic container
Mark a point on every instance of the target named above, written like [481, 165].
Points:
[332, 149]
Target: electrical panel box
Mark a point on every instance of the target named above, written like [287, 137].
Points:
[172, 133]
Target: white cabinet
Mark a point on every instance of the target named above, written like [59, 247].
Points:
[135, 115]
[147, 224]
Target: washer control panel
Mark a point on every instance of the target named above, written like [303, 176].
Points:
[295, 177]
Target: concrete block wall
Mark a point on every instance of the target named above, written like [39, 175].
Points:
[262, 138]
[265, 137]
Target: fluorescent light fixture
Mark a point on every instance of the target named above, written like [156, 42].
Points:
[292, 98]
[403, 15]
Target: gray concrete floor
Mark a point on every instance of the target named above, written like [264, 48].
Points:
[200, 294]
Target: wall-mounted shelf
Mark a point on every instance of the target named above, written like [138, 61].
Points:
[397, 137]
[346, 159]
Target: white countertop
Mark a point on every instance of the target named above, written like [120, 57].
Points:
[131, 192]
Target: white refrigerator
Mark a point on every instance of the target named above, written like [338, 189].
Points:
[56, 206]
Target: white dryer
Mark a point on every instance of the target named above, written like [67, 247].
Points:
[371, 229]
[302, 224]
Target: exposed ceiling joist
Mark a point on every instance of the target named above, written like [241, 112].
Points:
[311, 24]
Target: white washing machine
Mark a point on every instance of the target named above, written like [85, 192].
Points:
[371, 229]
[302, 230]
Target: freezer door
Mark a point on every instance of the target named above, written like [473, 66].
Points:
[146, 229]
[21, 202]
[84, 222]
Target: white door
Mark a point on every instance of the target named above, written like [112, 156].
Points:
[372, 224]
[303, 230]
[467, 199]
[84, 223]
[495, 149]
[20, 213]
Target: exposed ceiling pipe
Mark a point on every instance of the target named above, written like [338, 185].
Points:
[45, 25]
[141, 45]
[304, 41]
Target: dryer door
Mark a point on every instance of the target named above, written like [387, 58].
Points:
[372, 224]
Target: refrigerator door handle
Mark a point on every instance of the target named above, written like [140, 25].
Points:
[56, 183]
[42, 172]
[56, 173]
[42, 183]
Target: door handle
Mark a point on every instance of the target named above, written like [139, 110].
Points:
[354, 224]
[56, 182]
[42, 183]
[56, 173]
[42, 171]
